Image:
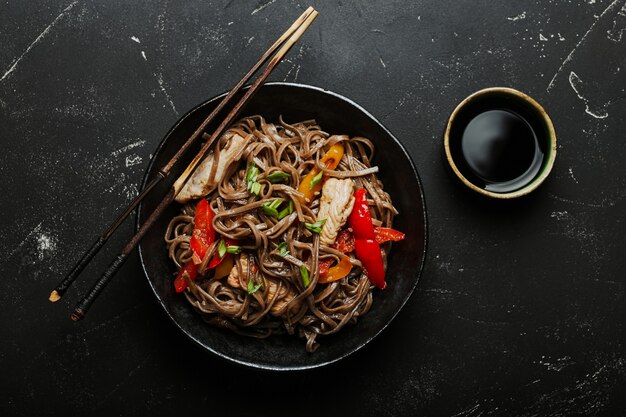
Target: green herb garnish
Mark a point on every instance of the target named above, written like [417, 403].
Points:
[233, 249]
[252, 287]
[251, 179]
[253, 172]
[286, 211]
[304, 273]
[316, 179]
[277, 176]
[255, 188]
[222, 249]
[282, 249]
[271, 207]
[315, 227]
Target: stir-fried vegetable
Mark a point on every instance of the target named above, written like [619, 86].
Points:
[345, 238]
[180, 283]
[367, 249]
[224, 267]
[203, 234]
[368, 252]
[345, 241]
[312, 182]
[386, 234]
[202, 237]
[315, 227]
[336, 272]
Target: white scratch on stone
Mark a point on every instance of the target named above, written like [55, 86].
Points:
[159, 78]
[571, 174]
[382, 62]
[581, 203]
[42, 35]
[617, 31]
[263, 6]
[131, 191]
[559, 215]
[46, 245]
[37, 229]
[580, 42]
[542, 38]
[143, 54]
[128, 147]
[136, 39]
[133, 160]
[520, 16]
[575, 80]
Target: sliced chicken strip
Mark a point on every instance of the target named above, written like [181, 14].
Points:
[200, 184]
[335, 206]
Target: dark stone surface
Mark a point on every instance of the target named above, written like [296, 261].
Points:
[520, 310]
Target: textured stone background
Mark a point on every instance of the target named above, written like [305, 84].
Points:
[520, 309]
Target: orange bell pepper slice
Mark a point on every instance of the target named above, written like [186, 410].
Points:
[331, 159]
[224, 267]
[336, 272]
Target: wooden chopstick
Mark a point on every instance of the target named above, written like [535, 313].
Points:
[63, 286]
[85, 303]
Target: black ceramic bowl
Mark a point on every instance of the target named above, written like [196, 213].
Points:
[335, 114]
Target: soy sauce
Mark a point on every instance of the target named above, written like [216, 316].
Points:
[500, 146]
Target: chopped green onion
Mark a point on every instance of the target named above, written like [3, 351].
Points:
[304, 273]
[252, 287]
[253, 173]
[233, 249]
[251, 176]
[270, 211]
[271, 208]
[221, 249]
[277, 176]
[255, 188]
[316, 179]
[286, 211]
[315, 227]
[282, 249]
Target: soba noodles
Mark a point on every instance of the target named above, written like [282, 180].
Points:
[273, 239]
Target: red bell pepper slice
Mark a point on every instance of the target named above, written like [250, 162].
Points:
[345, 238]
[360, 219]
[203, 234]
[324, 265]
[191, 270]
[367, 249]
[216, 260]
[368, 252]
[345, 241]
[386, 234]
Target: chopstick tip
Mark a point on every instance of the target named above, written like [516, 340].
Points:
[77, 315]
[54, 296]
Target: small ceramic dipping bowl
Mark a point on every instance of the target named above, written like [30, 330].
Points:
[500, 142]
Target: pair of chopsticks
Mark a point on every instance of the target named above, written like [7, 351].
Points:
[282, 45]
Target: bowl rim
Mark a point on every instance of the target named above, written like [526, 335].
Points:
[547, 166]
[260, 366]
